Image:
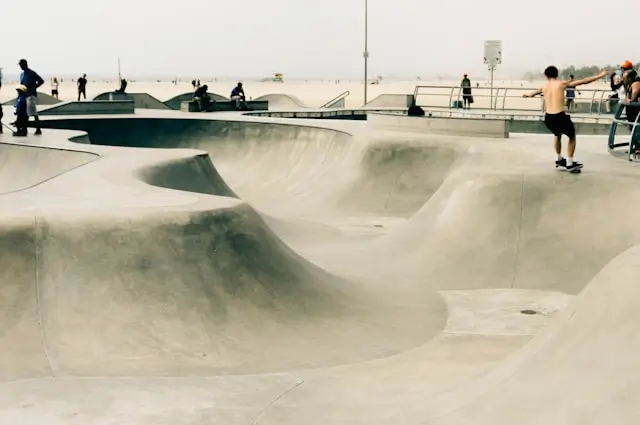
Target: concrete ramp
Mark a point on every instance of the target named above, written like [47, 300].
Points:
[587, 359]
[43, 99]
[141, 100]
[451, 126]
[91, 107]
[282, 101]
[43, 164]
[390, 101]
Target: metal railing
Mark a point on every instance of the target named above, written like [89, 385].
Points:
[504, 98]
[634, 129]
[336, 99]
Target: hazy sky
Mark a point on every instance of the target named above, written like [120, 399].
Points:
[303, 38]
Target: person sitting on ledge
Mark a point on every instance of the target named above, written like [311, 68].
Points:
[202, 97]
[238, 95]
[631, 82]
[414, 110]
[123, 86]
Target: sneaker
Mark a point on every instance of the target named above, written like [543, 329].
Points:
[19, 134]
[38, 132]
[573, 167]
[561, 163]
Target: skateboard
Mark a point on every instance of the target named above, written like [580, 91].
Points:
[574, 171]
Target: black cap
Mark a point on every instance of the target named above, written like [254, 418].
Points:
[22, 61]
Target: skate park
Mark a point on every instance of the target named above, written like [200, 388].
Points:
[297, 266]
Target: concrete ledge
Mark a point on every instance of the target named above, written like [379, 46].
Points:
[497, 128]
[91, 107]
[224, 106]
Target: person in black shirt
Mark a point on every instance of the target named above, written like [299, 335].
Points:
[123, 86]
[82, 87]
[467, 97]
[202, 97]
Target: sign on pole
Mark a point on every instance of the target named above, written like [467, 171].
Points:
[492, 58]
[493, 52]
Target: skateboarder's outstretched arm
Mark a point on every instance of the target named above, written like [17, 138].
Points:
[533, 93]
[588, 80]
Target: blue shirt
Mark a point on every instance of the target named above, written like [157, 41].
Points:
[571, 92]
[237, 91]
[31, 80]
[21, 105]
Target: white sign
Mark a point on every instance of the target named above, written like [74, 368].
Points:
[493, 52]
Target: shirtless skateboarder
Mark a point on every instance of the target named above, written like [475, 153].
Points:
[557, 121]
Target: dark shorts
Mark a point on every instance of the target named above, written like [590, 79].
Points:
[54, 92]
[560, 124]
[632, 113]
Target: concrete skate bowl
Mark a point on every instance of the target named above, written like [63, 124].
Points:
[44, 164]
[335, 306]
[141, 100]
[350, 322]
[282, 101]
[43, 99]
[319, 166]
[175, 102]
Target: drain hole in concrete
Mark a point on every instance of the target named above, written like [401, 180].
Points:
[378, 225]
[528, 312]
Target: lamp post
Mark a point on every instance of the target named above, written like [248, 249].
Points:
[366, 50]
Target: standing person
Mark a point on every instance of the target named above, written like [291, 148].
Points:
[238, 95]
[82, 87]
[555, 118]
[467, 98]
[22, 117]
[54, 88]
[631, 82]
[31, 80]
[571, 95]
[615, 83]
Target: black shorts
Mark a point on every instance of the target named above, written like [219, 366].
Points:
[560, 124]
[54, 92]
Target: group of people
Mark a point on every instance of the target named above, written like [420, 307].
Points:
[81, 84]
[202, 98]
[557, 94]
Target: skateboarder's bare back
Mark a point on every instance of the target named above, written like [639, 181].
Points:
[556, 119]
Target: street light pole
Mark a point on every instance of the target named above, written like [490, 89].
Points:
[366, 49]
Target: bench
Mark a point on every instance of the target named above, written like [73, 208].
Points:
[634, 142]
[224, 106]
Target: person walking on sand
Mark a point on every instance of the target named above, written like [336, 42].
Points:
[556, 119]
[31, 80]
[82, 87]
[54, 87]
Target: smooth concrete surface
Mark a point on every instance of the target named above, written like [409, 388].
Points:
[184, 269]
[91, 107]
[497, 128]
[43, 99]
[390, 101]
[141, 100]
